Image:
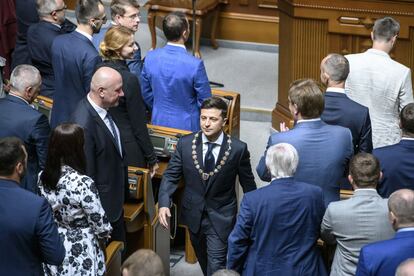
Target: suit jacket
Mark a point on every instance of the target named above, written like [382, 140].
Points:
[130, 117]
[73, 68]
[174, 84]
[353, 223]
[134, 64]
[26, 14]
[104, 163]
[28, 235]
[277, 229]
[217, 196]
[342, 111]
[384, 86]
[382, 258]
[397, 167]
[324, 152]
[40, 37]
[32, 127]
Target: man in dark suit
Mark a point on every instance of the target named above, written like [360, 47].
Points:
[74, 60]
[209, 161]
[279, 222]
[124, 13]
[40, 37]
[28, 235]
[103, 149]
[382, 258]
[26, 15]
[397, 163]
[19, 119]
[324, 150]
[341, 110]
[174, 83]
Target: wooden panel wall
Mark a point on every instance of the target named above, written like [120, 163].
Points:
[311, 29]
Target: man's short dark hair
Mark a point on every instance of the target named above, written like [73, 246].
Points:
[365, 170]
[87, 9]
[118, 6]
[407, 119]
[308, 97]
[337, 67]
[401, 203]
[144, 262]
[173, 25]
[385, 29]
[217, 103]
[11, 153]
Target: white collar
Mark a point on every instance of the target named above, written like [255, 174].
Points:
[176, 45]
[88, 36]
[407, 138]
[219, 140]
[405, 229]
[365, 189]
[101, 111]
[335, 89]
[57, 25]
[20, 97]
[378, 52]
[308, 120]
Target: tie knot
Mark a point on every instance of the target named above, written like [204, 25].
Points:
[210, 145]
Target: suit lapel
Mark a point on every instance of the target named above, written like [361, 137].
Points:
[102, 125]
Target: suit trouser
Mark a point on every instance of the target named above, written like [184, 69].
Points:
[210, 250]
[118, 233]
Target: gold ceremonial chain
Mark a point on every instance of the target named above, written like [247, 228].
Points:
[222, 162]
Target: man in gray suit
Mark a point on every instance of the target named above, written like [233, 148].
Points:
[357, 221]
[380, 83]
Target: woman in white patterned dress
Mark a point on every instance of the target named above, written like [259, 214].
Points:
[77, 209]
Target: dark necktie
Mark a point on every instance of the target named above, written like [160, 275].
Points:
[113, 130]
[209, 162]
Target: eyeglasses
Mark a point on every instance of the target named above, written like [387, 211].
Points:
[103, 19]
[58, 10]
[132, 16]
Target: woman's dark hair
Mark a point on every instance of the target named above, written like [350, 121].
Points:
[65, 148]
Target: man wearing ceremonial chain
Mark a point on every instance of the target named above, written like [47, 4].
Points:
[209, 162]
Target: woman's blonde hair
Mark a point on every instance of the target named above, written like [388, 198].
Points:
[115, 39]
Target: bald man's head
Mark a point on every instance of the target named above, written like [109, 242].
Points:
[406, 268]
[401, 207]
[106, 87]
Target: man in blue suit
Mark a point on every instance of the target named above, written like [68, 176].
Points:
[124, 13]
[324, 150]
[19, 119]
[174, 83]
[74, 60]
[341, 110]
[28, 234]
[278, 225]
[397, 163]
[40, 37]
[382, 258]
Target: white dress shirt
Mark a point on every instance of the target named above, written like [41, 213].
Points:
[102, 114]
[216, 149]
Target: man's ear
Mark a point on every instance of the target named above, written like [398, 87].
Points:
[224, 122]
[19, 168]
[117, 17]
[372, 36]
